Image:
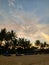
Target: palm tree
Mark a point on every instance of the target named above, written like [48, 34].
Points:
[37, 43]
[2, 34]
[45, 44]
[41, 46]
[27, 43]
[24, 43]
[13, 34]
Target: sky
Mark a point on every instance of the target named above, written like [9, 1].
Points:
[28, 18]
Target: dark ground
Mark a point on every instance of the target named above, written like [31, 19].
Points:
[25, 60]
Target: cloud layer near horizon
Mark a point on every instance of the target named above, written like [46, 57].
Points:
[28, 21]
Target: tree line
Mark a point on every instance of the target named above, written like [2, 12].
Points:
[10, 43]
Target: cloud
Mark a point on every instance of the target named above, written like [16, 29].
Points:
[26, 24]
[27, 21]
[45, 36]
[11, 3]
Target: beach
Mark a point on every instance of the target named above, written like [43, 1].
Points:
[24, 60]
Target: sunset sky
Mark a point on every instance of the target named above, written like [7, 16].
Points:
[28, 18]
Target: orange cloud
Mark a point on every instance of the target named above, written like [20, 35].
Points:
[45, 36]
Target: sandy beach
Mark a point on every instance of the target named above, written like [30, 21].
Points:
[25, 60]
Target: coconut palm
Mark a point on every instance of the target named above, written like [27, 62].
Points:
[37, 43]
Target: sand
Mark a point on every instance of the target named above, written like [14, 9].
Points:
[25, 60]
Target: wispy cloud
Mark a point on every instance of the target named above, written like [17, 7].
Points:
[11, 3]
[45, 36]
[26, 23]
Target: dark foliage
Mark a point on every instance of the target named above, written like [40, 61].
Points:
[18, 46]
